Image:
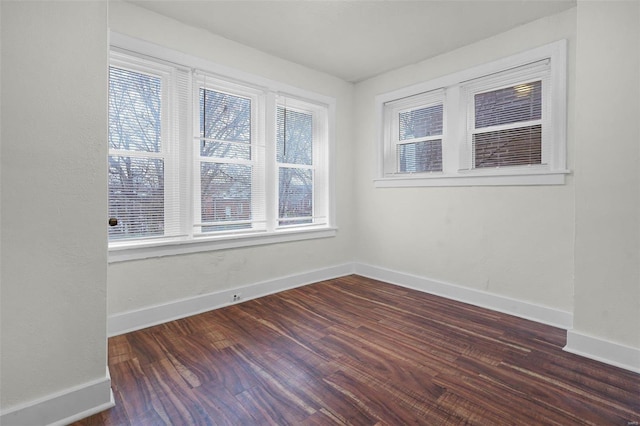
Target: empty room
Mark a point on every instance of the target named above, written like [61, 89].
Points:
[319, 212]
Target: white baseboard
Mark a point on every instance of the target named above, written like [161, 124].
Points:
[530, 311]
[603, 351]
[146, 317]
[607, 352]
[63, 407]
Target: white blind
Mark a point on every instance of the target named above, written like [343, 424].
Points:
[420, 136]
[508, 126]
[146, 121]
[136, 160]
[179, 118]
[188, 155]
[230, 169]
[300, 153]
[507, 118]
[294, 151]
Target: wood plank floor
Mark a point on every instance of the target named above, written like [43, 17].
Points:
[360, 352]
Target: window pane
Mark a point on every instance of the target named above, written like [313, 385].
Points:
[514, 104]
[514, 147]
[295, 196]
[295, 137]
[420, 157]
[225, 118]
[136, 197]
[421, 123]
[134, 111]
[225, 195]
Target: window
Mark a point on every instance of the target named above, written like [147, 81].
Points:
[416, 133]
[502, 123]
[228, 159]
[139, 147]
[506, 126]
[301, 171]
[201, 162]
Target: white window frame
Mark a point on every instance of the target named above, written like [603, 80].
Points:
[169, 141]
[459, 89]
[318, 168]
[209, 82]
[518, 76]
[267, 94]
[392, 140]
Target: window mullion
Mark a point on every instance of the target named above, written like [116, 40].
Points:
[170, 134]
[185, 149]
[452, 131]
[141, 154]
[271, 171]
[392, 138]
[421, 139]
[196, 191]
[509, 126]
[219, 160]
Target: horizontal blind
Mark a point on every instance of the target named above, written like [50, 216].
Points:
[420, 139]
[294, 151]
[136, 197]
[136, 160]
[420, 122]
[148, 113]
[300, 153]
[230, 161]
[135, 107]
[518, 103]
[178, 195]
[507, 110]
[508, 118]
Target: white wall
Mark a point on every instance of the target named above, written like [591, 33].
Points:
[514, 242]
[136, 285]
[54, 141]
[607, 271]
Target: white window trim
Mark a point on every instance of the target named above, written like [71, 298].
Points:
[392, 140]
[257, 150]
[321, 192]
[131, 250]
[454, 133]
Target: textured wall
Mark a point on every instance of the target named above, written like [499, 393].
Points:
[607, 288]
[509, 241]
[143, 283]
[54, 145]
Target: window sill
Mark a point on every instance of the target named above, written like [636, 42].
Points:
[475, 179]
[160, 248]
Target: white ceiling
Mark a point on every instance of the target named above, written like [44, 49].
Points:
[355, 40]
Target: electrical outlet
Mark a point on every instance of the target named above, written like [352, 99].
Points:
[236, 297]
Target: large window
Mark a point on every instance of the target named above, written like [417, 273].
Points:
[139, 146]
[228, 159]
[300, 169]
[199, 162]
[502, 123]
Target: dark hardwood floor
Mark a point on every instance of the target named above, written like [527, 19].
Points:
[358, 351]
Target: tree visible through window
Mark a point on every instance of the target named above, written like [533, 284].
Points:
[295, 159]
[136, 166]
[197, 157]
[226, 168]
[420, 131]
